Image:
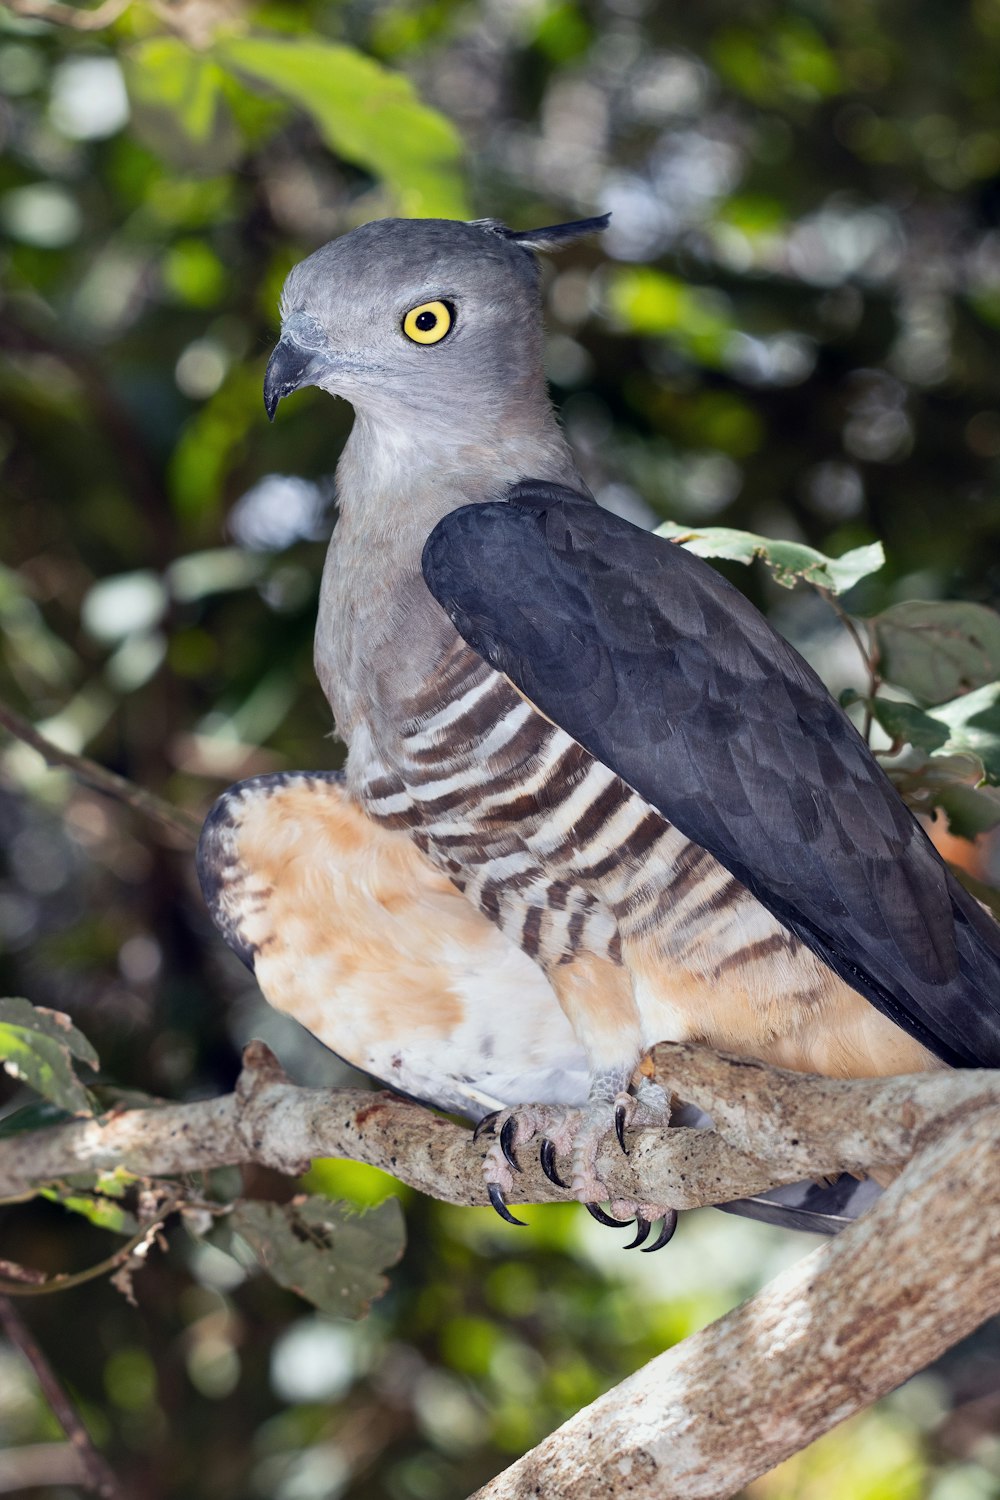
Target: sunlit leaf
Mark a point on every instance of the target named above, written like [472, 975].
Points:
[789, 561]
[562, 32]
[115, 1182]
[327, 1254]
[179, 105]
[972, 722]
[194, 273]
[38, 1046]
[365, 113]
[792, 61]
[650, 302]
[212, 441]
[102, 1212]
[937, 650]
[354, 1181]
[809, 67]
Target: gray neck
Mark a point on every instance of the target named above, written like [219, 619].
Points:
[379, 631]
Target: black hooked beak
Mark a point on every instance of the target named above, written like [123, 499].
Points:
[287, 369]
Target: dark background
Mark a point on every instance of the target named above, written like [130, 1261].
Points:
[792, 326]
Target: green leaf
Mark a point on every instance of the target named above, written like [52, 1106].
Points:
[38, 1046]
[650, 302]
[329, 1255]
[942, 779]
[937, 651]
[972, 722]
[179, 105]
[967, 725]
[366, 114]
[970, 810]
[909, 725]
[39, 1115]
[105, 1213]
[115, 1182]
[789, 561]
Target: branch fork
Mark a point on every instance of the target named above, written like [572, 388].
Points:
[845, 1325]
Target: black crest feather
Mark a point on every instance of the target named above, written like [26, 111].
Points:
[553, 237]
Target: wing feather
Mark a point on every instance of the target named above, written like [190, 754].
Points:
[663, 671]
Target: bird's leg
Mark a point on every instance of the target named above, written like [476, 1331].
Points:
[597, 997]
[577, 1134]
[515, 1127]
[614, 1104]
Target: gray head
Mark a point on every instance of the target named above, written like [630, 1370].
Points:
[405, 315]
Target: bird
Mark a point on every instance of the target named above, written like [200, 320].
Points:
[591, 800]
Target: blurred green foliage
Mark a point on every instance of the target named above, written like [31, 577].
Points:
[792, 328]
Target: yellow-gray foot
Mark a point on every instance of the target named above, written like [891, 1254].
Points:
[577, 1135]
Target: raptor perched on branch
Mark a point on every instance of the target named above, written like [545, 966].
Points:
[592, 800]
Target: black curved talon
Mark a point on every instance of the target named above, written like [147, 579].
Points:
[487, 1125]
[500, 1204]
[643, 1226]
[597, 1212]
[621, 1115]
[665, 1235]
[547, 1157]
[507, 1135]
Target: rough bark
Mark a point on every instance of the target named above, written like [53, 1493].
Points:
[848, 1323]
[828, 1337]
[771, 1127]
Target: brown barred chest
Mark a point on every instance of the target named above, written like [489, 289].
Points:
[591, 882]
[550, 844]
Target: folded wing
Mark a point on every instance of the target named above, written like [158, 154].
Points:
[669, 676]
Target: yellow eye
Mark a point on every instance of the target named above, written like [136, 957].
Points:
[428, 323]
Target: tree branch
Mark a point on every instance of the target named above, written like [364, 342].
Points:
[771, 1127]
[95, 1474]
[844, 1326]
[827, 1338]
[98, 779]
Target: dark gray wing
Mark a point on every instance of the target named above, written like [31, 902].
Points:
[667, 674]
[810, 1206]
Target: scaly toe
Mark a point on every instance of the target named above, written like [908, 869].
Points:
[511, 1128]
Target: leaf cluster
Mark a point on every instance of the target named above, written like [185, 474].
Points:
[933, 668]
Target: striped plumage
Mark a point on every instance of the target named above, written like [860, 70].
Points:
[514, 795]
[353, 933]
[571, 863]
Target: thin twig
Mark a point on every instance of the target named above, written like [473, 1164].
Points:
[62, 1281]
[100, 1478]
[100, 780]
[867, 650]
